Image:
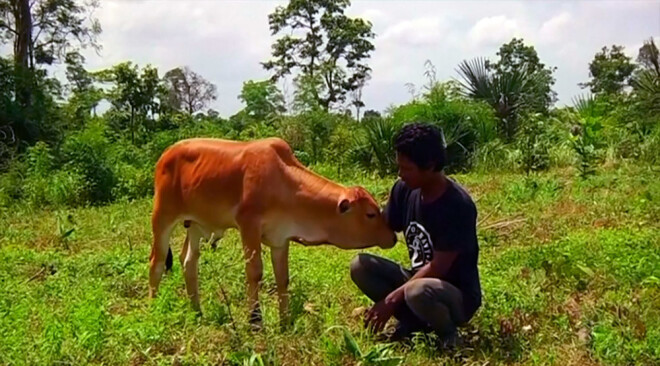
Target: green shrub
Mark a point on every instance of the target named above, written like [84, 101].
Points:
[465, 123]
[11, 182]
[307, 132]
[132, 182]
[373, 146]
[534, 143]
[338, 149]
[88, 152]
[40, 159]
[495, 155]
[67, 188]
[650, 148]
[586, 141]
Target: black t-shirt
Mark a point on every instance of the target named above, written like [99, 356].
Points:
[446, 224]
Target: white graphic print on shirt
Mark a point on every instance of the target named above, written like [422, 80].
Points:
[420, 246]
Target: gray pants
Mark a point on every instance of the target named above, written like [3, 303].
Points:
[430, 303]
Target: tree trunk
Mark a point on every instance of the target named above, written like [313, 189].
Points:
[24, 77]
[23, 38]
[132, 125]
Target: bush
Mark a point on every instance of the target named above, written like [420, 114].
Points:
[373, 146]
[11, 183]
[543, 141]
[465, 123]
[534, 143]
[650, 148]
[40, 159]
[66, 188]
[338, 150]
[87, 152]
[309, 132]
[495, 156]
[132, 182]
[45, 185]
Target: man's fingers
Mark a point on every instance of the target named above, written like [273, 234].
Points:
[368, 315]
[379, 325]
[367, 319]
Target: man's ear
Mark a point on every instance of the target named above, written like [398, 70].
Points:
[344, 206]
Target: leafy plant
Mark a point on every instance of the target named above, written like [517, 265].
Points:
[504, 92]
[378, 355]
[374, 147]
[586, 134]
[534, 143]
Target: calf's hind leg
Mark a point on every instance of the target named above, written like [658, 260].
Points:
[161, 228]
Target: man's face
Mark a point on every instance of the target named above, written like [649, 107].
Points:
[409, 172]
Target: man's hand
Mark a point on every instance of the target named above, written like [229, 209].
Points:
[378, 315]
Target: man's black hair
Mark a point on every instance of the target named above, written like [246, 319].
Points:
[423, 144]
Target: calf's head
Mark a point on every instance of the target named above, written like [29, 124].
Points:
[358, 223]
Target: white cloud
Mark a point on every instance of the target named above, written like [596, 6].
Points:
[417, 32]
[493, 30]
[225, 41]
[374, 15]
[557, 28]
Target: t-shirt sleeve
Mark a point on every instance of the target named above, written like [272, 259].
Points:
[394, 209]
[455, 229]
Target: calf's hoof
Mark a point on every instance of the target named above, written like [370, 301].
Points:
[256, 321]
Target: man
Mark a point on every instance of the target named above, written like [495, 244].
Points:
[438, 218]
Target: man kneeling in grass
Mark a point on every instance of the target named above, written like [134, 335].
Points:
[441, 290]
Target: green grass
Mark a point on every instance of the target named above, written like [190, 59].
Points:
[570, 271]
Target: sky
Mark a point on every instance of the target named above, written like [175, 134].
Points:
[225, 41]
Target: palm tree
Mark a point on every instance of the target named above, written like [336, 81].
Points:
[379, 136]
[647, 86]
[505, 92]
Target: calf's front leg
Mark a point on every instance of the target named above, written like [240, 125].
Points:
[280, 260]
[191, 266]
[251, 237]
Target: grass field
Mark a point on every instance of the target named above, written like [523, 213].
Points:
[570, 271]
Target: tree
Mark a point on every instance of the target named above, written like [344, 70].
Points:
[356, 98]
[646, 84]
[20, 127]
[515, 55]
[370, 113]
[262, 99]
[133, 95]
[42, 32]
[305, 95]
[504, 92]
[45, 31]
[323, 44]
[649, 56]
[610, 71]
[84, 96]
[188, 90]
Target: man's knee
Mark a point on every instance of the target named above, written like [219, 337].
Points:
[416, 293]
[359, 265]
[423, 296]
